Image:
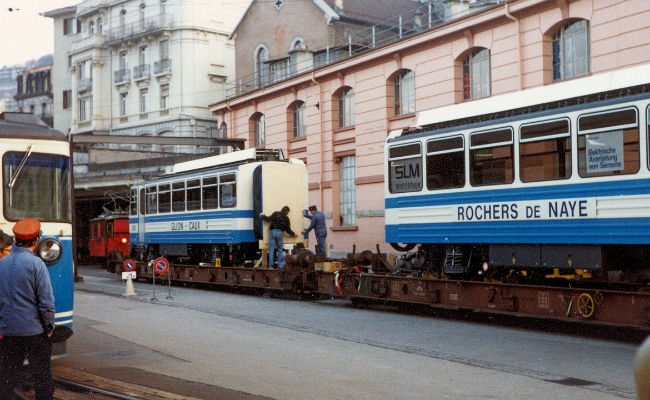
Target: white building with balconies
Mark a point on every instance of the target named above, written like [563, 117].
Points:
[140, 68]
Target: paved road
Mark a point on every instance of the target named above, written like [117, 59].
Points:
[213, 344]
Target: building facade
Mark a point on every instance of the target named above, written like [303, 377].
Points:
[139, 69]
[336, 116]
[34, 90]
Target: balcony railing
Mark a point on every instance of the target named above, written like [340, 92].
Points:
[135, 29]
[84, 85]
[162, 67]
[141, 72]
[357, 42]
[121, 76]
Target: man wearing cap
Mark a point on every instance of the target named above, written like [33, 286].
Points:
[280, 223]
[26, 314]
[319, 227]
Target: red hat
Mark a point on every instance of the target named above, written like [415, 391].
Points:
[27, 228]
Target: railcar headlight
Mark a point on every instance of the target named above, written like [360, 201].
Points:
[49, 250]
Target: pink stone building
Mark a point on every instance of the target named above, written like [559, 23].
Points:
[336, 116]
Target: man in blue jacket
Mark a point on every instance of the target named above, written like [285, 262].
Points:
[26, 314]
[319, 227]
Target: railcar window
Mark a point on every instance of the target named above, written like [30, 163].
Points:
[152, 199]
[545, 151]
[36, 185]
[178, 196]
[164, 198]
[405, 168]
[228, 191]
[445, 163]
[491, 157]
[133, 209]
[109, 229]
[210, 192]
[193, 194]
[608, 143]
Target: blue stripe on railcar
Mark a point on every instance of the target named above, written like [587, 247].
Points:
[62, 277]
[619, 229]
[213, 236]
[603, 231]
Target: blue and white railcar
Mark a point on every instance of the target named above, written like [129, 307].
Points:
[37, 183]
[555, 177]
[208, 210]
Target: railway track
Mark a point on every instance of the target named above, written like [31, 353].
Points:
[73, 384]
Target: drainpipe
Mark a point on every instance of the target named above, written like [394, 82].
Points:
[519, 63]
[231, 120]
[322, 142]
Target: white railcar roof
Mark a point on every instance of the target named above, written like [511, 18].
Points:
[604, 82]
[236, 157]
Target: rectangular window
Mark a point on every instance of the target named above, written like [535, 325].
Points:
[193, 194]
[545, 151]
[133, 209]
[347, 191]
[85, 108]
[164, 198]
[299, 127]
[164, 50]
[143, 100]
[346, 108]
[178, 196]
[405, 168]
[404, 87]
[164, 97]
[123, 105]
[152, 199]
[608, 143]
[227, 191]
[491, 157]
[446, 163]
[210, 192]
[36, 185]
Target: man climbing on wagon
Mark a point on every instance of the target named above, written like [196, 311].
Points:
[280, 223]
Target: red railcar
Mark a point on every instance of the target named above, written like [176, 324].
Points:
[109, 237]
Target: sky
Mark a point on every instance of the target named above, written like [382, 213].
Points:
[25, 34]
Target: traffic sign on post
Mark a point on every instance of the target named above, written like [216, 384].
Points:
[160, 265]
[129, 265]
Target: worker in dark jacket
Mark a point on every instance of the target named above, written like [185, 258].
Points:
[320, 229]
[280, 223]
[26, 314]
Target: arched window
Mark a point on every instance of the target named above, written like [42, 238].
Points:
[571, 56]
[344, 99]
[476, 75]
[404, 92]
[261, 66]
[298, 119]
[259, 130]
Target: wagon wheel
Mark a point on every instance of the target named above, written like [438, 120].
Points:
[586, 305]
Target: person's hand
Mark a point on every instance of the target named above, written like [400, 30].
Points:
[303, 231]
